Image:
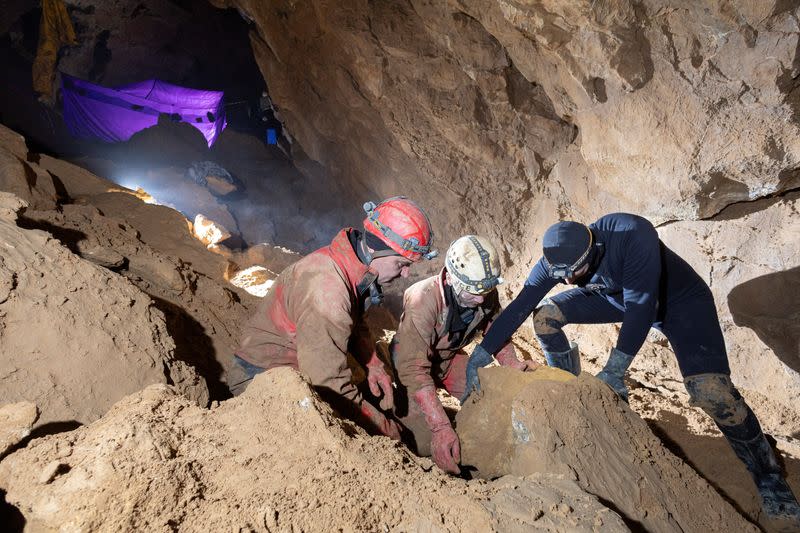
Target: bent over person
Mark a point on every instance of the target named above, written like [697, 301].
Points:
[311, 320]
[624, 273]
[441, 315]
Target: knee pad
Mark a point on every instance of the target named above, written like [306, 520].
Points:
[548, 318]
[716, 395]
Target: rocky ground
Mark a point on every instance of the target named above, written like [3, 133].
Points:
[499, 117]
[123, 422]
[274, 459]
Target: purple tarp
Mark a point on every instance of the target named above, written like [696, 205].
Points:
[114, 115]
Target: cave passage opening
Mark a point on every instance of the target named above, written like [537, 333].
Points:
[262, 197]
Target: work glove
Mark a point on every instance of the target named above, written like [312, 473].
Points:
[508, 357]
[614, 372]
[378, 421]
[445, 447]
[479, 359]
[446, 450]
[380, 383]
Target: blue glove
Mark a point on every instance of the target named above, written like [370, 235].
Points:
[479, 359]
[618, 362]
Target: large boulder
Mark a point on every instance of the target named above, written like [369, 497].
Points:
[548, 421]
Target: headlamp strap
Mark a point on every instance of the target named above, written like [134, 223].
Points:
[489, 281]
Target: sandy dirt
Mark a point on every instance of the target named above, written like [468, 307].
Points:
[16, 421]
[76, 337]
[274, 459]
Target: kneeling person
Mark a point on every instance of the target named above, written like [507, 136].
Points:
[311, 320]
[441, 315]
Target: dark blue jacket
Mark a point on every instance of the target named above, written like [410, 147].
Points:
[637, 274]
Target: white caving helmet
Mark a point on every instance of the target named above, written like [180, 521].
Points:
[473, 265]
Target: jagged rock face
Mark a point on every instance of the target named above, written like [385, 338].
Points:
[76, 337]
[503, 116]
[117, 41]
[273, 459]
[681, 109]
[549, 421]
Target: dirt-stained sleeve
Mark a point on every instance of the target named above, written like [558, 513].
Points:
[414, 339]
[321, 303]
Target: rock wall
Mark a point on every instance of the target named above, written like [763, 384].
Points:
[76, 337]
[501, 117]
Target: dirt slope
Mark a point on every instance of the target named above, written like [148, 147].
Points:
[274, 459]
[75, 337]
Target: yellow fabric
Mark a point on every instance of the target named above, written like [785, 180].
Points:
[55, 31]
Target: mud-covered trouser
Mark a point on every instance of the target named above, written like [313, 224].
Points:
[716, 395]
[449, 375]
[691, 326]
[243, 375]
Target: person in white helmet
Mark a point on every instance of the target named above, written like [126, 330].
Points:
[441, 315]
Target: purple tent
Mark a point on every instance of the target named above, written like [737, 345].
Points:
[114, 115]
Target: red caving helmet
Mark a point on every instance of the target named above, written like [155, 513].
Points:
[403, 226]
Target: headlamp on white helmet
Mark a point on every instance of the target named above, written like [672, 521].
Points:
[473, 265]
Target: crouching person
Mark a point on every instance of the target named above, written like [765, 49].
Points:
[623, 273]
[441, 315]
[311, 320]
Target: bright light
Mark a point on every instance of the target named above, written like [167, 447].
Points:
[254, 280]
[209, 231]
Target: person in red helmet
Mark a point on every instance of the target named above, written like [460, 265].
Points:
[311, 320]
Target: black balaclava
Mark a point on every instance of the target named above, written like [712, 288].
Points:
[380, 248]
[360, 241]
[458, 318]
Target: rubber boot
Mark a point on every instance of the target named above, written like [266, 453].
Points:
[569, 360]
[777, 499]
[614, 372]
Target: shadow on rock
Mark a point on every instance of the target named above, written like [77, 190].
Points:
[194, 347]
[769, 306]
[713, 458]
[43, 430]
[68, 237]
[10, 516]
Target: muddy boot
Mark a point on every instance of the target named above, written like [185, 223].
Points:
[777, 499]
[569, 360]
[614, 372]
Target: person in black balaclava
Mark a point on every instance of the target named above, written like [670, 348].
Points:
[624, 273]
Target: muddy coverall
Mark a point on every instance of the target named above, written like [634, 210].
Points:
[311, 320]
[425, 355]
